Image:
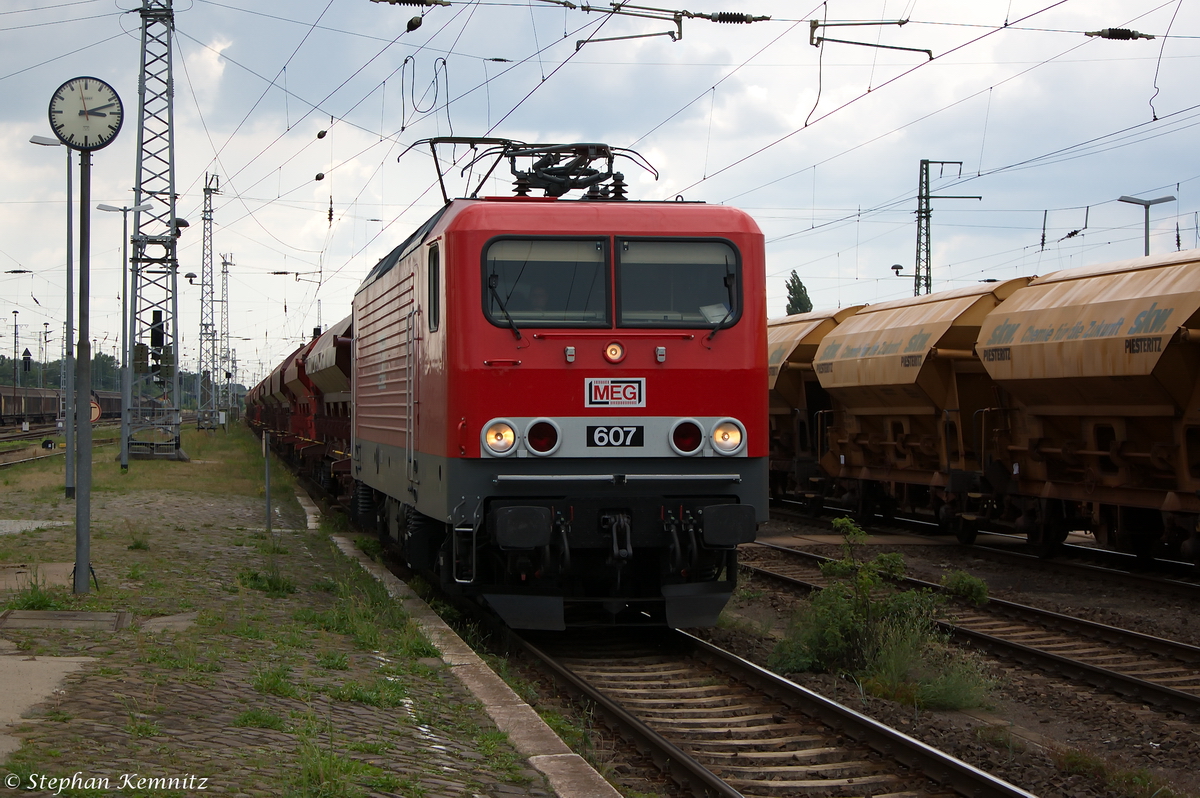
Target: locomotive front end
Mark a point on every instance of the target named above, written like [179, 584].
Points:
[618, 457]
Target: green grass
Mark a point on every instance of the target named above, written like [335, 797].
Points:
[967, 587]
[383, 692]
[138, 728]
[325, 773]
[883, 638]
[260, 719]
[36, 596]
[1114, 775]
[333, 660]
[275, 680]
[272, 583]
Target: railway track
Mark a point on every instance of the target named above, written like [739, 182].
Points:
[57, 453]
[723, 726]
[1166, 576]
[1149, 669]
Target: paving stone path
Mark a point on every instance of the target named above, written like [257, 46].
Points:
[265, 693]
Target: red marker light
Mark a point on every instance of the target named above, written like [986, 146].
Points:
[686, 437]
[542, 438]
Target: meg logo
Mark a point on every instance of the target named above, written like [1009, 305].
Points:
[614, 393]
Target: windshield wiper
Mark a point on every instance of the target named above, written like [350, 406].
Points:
[492, 280]
[729, 290]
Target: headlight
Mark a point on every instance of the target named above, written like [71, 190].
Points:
[686, 437]
[500, 438]
[728, 436]
[614, 352]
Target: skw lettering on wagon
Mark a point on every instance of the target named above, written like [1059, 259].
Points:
[630, 392]
[1151, 320]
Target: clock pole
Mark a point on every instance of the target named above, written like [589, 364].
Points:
[83, 384]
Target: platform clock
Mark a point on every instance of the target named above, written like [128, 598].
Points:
[86, 113]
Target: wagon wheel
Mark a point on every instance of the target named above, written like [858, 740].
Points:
[1051, 529]
[966, 531]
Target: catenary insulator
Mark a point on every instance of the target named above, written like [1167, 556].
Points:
[1118, 33]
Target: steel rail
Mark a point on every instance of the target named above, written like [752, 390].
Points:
[669, 757]
[938, 765]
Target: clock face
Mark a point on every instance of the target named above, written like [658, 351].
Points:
[86, 113]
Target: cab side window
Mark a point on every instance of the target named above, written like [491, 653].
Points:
[435, 308]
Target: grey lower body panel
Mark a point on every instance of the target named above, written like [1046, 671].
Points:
[628, 540]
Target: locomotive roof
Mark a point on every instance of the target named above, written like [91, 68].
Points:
[524, 206]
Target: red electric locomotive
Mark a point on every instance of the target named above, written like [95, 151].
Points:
[558, 405]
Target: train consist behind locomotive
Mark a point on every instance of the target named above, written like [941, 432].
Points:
[554, 406]
[43, 405]
[1035, 405]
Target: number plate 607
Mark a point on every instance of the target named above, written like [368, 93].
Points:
[616, 436]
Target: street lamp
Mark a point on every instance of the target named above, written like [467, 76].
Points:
[1146, 205]
[126, 332]
[69, 388]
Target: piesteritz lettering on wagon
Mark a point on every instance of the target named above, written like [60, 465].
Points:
[628, 392]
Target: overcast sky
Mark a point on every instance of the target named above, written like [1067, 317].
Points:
[821, 145]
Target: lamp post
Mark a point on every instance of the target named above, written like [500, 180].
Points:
[1146, 205]
[126, 333]
[69, 388]
[16, 374]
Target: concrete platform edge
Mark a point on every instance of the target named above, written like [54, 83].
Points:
[569, 775]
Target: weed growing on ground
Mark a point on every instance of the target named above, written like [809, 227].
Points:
[333, 660]
[967, 587]
[275, 680]
[247, 631]
[886, 640]
[383, 692]
[1123, 780]
[36, 596]
[142, 728]
[370, 748]
[325, 773]
[370, 547]
[260, 719]
[274, 585]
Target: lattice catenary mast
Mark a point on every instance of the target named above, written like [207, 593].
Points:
[206, 416]
[154, 319]
[924, 270]
[228, 363]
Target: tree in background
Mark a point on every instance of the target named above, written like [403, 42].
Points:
[798, 301]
